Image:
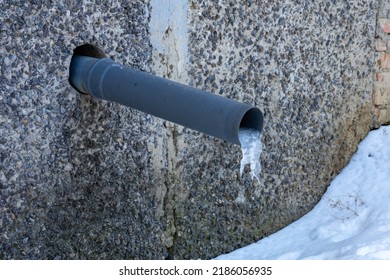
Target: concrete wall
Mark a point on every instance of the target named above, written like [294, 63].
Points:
[85, 179]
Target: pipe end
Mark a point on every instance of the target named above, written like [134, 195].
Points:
[253, 118]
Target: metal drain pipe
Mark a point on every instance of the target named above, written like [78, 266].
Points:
[209, 113]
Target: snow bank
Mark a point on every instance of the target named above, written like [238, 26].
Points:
[352, 220]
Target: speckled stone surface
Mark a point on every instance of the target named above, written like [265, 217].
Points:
[87, 179]
[309, 66]
[76, 175]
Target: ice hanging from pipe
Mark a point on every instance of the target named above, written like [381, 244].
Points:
[251, 149]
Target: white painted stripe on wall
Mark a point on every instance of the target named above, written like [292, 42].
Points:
[169, 38]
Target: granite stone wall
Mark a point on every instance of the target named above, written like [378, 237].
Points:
[82, 178]
[77, 176]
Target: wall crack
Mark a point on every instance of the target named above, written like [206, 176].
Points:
[169, 40]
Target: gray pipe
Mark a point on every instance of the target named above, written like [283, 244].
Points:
[196, 109]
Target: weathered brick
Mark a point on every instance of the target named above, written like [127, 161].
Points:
[384, 24]
[380, 45]
[383, 77]
[381, 95]
[384, 60]
[383, 115]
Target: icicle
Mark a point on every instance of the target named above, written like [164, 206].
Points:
[251, 150]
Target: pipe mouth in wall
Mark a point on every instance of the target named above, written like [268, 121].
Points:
[88, 50]
[253, 118]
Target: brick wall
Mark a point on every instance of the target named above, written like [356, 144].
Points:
[381, 96]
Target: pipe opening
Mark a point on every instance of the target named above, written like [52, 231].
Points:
[253, 118]
[89, 50]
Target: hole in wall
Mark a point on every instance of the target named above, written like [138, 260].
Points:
[89, 50]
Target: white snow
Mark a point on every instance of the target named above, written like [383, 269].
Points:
[352, 220]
